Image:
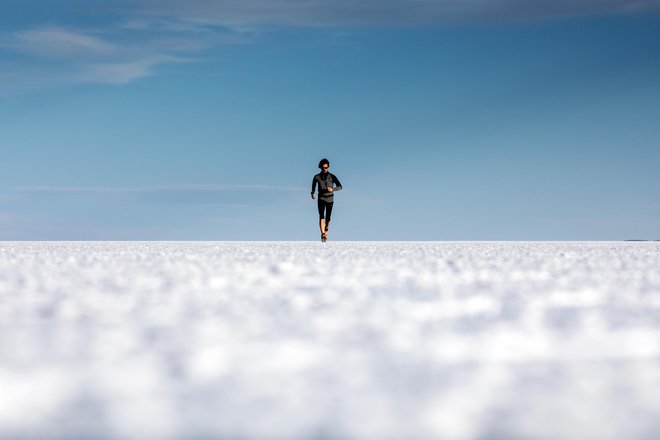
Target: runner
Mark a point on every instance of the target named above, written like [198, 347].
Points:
[328, 184]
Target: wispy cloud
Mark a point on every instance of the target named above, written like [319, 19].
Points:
[121, 72]
[59, 43]
[141, 35]
[111, 54]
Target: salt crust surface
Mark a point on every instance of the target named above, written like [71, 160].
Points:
[364, 340]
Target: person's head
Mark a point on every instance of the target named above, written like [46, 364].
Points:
[324, 164]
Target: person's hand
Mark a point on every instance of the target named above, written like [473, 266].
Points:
[329, 189]
[312, 195]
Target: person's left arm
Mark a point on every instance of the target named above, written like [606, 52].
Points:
[338, 186]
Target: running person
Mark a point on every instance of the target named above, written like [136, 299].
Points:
[328, 184]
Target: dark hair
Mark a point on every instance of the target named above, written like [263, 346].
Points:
[324, 162]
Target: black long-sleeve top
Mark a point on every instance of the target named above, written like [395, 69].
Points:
[325, 181]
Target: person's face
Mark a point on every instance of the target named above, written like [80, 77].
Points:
[325, 168]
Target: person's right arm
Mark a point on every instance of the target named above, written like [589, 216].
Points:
[313, 185]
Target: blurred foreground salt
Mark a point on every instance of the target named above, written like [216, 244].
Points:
[279, 340]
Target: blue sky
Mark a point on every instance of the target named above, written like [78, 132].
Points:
[205, 120]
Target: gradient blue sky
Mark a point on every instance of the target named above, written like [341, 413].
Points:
[453, 120]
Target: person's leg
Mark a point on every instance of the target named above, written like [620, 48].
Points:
[321, 207]
[328, 214]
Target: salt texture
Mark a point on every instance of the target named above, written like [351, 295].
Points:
[364, 340]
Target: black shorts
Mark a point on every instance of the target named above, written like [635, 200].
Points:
[325, 207]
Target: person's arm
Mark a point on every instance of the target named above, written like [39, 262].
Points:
[313, 185]
[338, 186]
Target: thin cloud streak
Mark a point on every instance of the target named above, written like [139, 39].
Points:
[157, 188]
[315, 13]
[242, 195]
[7, 217]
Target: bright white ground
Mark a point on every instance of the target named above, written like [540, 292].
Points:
[364, 340]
